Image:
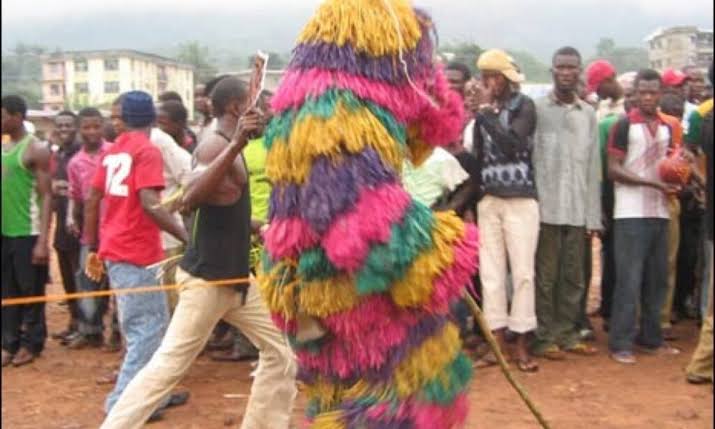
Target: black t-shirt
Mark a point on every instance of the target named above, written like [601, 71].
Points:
[221, 241]
[62, 239]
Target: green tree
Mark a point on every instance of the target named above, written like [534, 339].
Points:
[605, 47]
[197, 55]
[464, 52]
[22, 73]
[533, 69]
[623, 58]
[468, 53]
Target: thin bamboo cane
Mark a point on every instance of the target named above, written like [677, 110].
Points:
[479, 316]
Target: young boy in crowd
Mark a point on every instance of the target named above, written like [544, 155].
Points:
[80, 172]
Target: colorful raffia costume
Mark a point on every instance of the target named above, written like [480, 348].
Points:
[348, 250]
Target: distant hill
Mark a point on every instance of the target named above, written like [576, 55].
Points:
[517, 25]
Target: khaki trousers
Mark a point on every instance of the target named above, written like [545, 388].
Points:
[701, 364]
[673, 245]
[199, 309]
[169, 277]
[509, 232]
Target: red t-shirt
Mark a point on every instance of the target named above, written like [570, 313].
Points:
[128, 234]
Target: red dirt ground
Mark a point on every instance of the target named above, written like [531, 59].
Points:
[58, 391]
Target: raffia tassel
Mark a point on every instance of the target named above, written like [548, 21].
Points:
[313, 137]
[327, 297]
[367, 25]
[353, 129]
[416, 287]
[427, 361]
[279, 289]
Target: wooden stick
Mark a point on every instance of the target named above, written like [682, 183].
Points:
[479, 316]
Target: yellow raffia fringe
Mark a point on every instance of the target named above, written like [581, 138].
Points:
[280, 165]
[324, 298]
[423, 364]
[279, 294]
[449, 225]
[350, 130]
[419, 150]
[367, 25]
[427, 361]
[416, 287]
[331, 420]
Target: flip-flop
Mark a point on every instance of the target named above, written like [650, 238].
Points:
[486, 361]
[582, 349]
[527, 365]
[552, 352]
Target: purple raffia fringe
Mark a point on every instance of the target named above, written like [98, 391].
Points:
[332, 188]
[344, 58]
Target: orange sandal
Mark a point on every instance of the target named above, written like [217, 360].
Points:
[582, 349]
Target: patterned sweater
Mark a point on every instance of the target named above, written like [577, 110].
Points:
[503, 142]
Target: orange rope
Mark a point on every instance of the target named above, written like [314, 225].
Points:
[102, 293]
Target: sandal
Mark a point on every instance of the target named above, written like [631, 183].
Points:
[527, 365]
[582, 349]
[486, 361]
[552, 352]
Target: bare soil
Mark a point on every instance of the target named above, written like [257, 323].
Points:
[59, 390]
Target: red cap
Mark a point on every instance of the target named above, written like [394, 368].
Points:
[597, 72]
[672, 77]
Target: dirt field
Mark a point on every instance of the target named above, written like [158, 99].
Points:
[58, 391]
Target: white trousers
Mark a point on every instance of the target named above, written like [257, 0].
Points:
[509, 234]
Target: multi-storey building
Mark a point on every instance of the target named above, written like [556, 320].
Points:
[678, 47]
[95, 78]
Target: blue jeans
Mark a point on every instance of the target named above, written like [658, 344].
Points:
[91, 310]
[143, 319]
[641, 256]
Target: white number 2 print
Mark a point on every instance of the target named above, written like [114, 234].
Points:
[118, 167]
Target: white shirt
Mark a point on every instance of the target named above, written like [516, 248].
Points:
[439, 174]
[177, 165]
[689, 109]
[642, 158]
[468, 137]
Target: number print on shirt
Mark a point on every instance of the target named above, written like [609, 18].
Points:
[118, 167]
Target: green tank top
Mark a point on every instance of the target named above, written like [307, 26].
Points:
[20, 201]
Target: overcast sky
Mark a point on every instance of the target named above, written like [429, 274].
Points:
[535, 25]
[18, 9]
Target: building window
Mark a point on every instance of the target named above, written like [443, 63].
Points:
[55, 90]
[54, 68]
[111, 64]
[161, 73]
[80, 65]
[111, 87]
[81, 88]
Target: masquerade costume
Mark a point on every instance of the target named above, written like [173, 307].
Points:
[359, 275]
